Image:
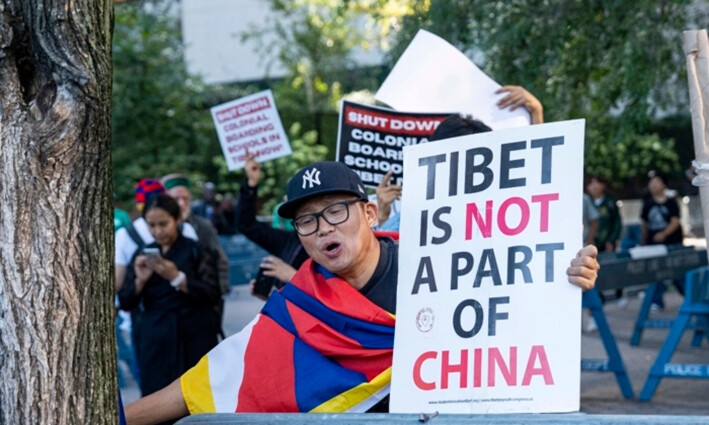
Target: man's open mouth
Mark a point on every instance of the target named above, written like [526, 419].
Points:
[332, 249]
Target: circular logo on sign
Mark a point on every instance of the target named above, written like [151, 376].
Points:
[424, 319]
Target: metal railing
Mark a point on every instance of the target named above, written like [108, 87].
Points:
[443, 419]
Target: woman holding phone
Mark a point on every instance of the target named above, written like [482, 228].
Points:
[177, 321]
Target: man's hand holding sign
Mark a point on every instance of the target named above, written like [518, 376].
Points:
[488, 224]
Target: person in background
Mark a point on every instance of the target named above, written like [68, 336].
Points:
[225, 216]
[123, 320]
[178, 324]
[661, 225]
[129, 239]
[215, 259]
[689, 188]
[609, 221]
[206, 206]
[120, 217]
[281, 223]
[590, 220]
[660, 214]
[388, 195]
[287, 253]
[590, 227]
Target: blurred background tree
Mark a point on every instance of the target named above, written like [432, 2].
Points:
[616, 63]
[317, 42]
[161, 121]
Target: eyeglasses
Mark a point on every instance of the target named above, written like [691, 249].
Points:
[333, 214]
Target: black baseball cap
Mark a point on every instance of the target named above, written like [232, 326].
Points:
[317, 179]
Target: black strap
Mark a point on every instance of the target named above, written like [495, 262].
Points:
[135, 237]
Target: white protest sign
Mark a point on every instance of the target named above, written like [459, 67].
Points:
[433, 76]
[250, 124]
[486, 320]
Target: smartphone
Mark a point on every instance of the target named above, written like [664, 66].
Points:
[263, 284]
[153, 253]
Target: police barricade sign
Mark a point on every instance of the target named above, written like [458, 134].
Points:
[486, 319]
[250, 124]
[370, 139]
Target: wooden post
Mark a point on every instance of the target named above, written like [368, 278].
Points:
[696, 50]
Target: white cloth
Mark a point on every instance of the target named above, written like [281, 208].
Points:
[702, 174]
[125, 247]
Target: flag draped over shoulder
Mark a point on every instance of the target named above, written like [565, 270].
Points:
[318, 345]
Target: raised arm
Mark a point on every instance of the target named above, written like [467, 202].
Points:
[386, 194]
[517, 96]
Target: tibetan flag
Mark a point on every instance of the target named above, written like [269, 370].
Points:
[318, 345]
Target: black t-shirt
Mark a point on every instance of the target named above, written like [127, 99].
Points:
[657, 216]
[381, 287]
[381, 290]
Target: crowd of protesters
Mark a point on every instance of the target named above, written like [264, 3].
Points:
[171, 271]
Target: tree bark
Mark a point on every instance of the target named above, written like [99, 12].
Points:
[57, 344]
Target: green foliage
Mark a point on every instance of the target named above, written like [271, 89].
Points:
[277, 173]
[631, 156]
[616, 63]
[160, 118]
[314, 40]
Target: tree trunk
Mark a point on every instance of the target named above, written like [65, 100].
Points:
[57, 344]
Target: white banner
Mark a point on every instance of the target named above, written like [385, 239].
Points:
[250, 124]
[486, 319]
[433, 76]
[696, 50]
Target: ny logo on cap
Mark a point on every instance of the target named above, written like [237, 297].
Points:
[311, 177]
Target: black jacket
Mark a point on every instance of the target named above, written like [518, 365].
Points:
[173, 329]
[281, 243]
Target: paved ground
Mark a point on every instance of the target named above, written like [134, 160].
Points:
[599, 392]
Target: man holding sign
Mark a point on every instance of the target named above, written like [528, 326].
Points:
[342, 297]
[487, 219]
